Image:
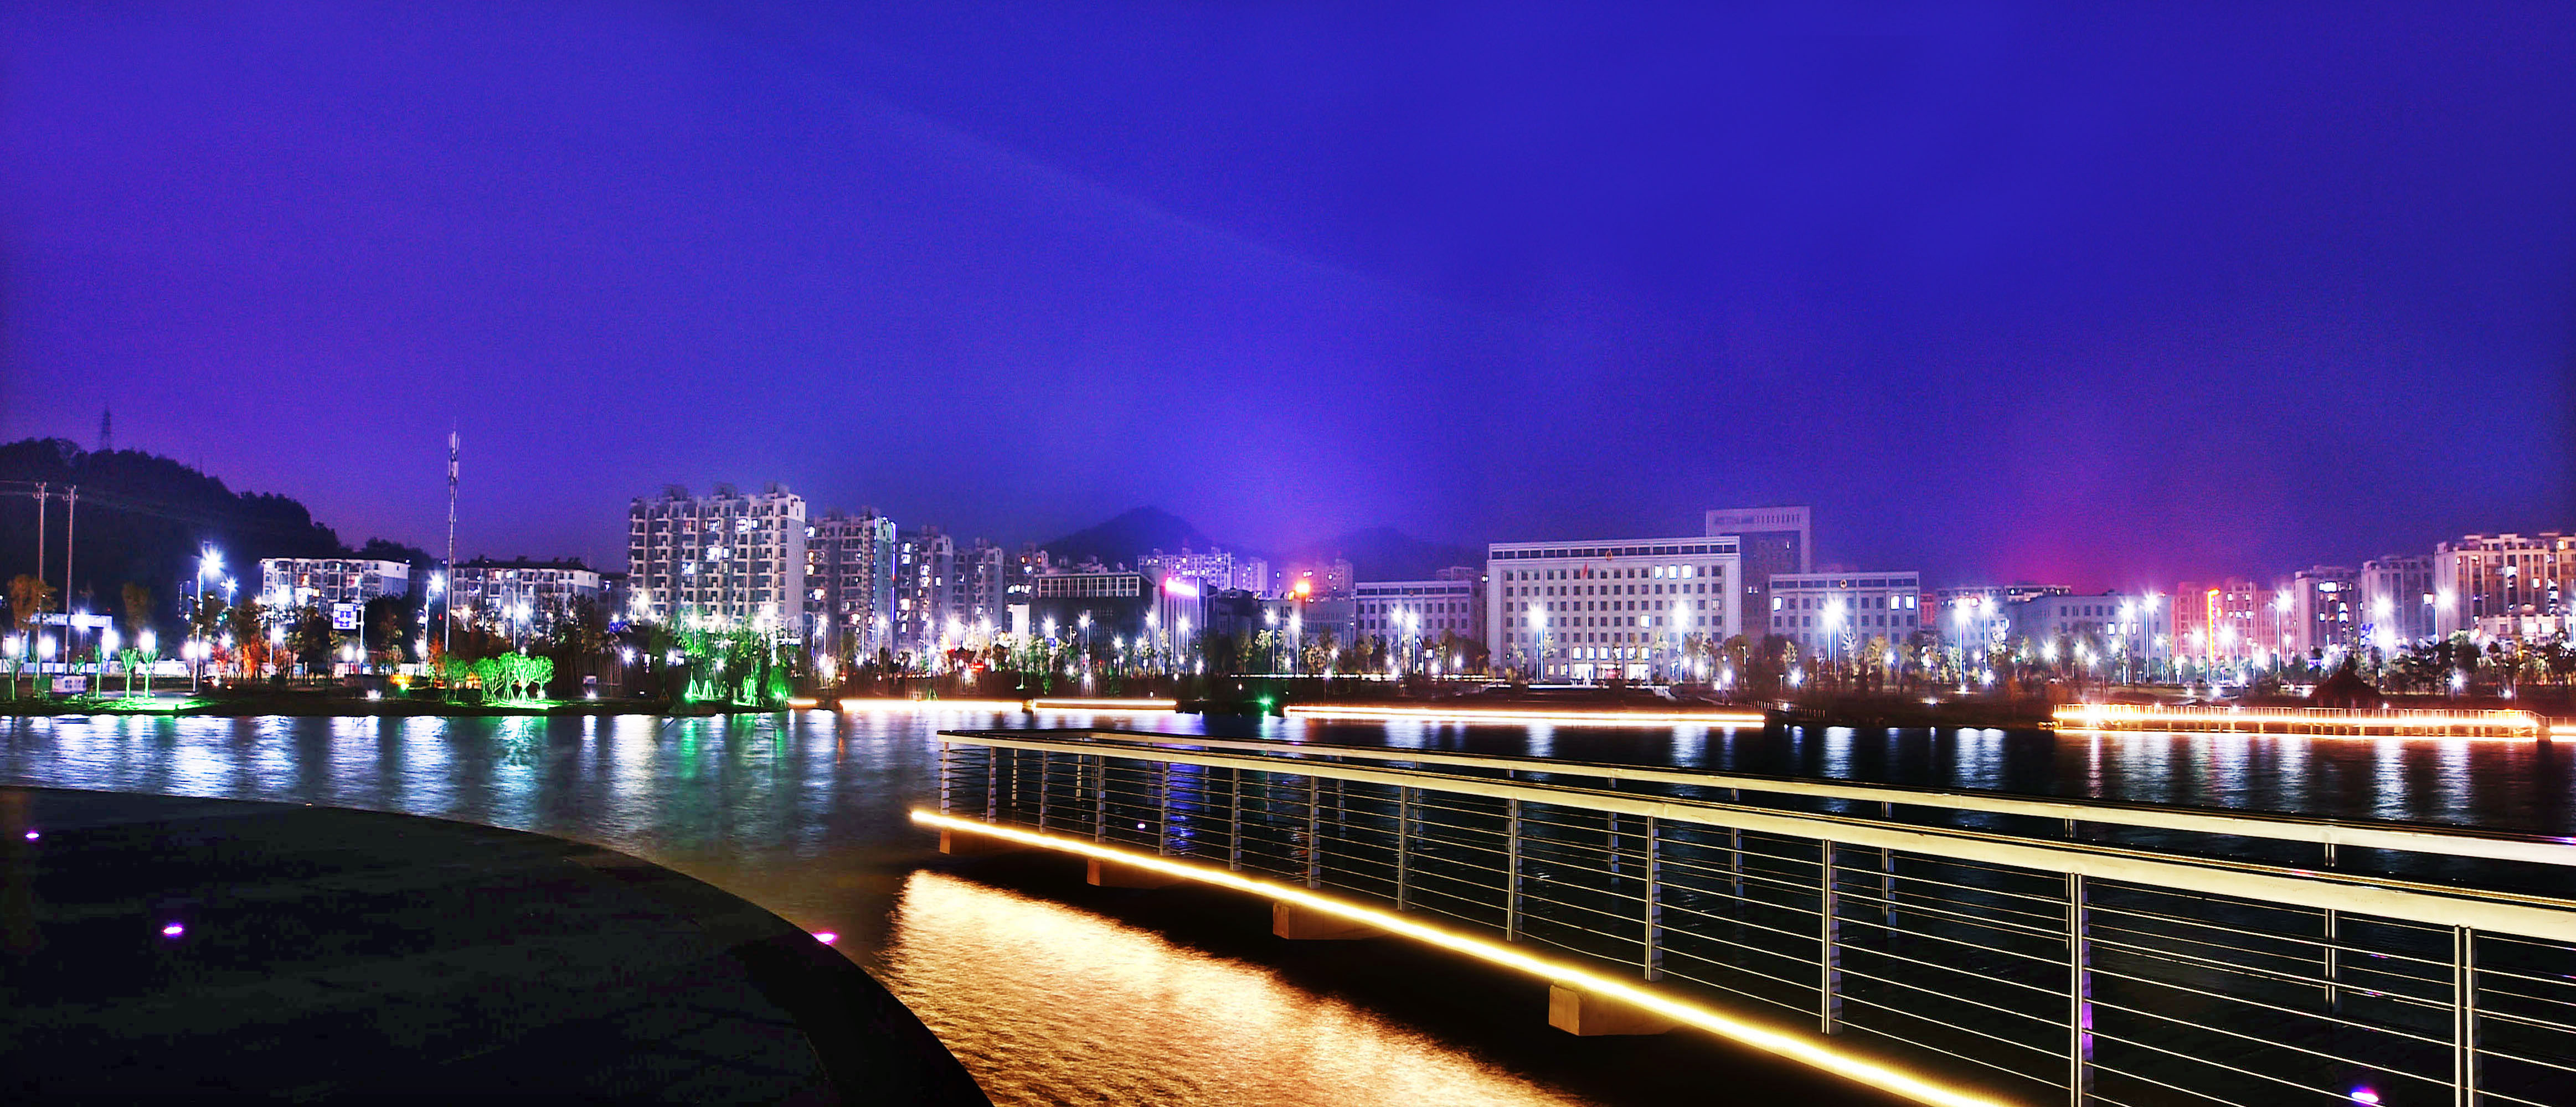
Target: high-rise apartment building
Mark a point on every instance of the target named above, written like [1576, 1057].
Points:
[722, 561]
[850, 575]
[2325, 614]
[925, 572]
[2504, 585]
[2397, 600]
[979, 591]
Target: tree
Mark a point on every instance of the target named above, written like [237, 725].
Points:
[28, 597]
[138, 608]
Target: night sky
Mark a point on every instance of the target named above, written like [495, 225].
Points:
[2006, 293]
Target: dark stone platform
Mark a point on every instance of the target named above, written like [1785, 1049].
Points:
[156, 948]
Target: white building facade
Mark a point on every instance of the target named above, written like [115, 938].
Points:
[850, 579]
[1416, 611]
[1213, 571]
[2397, 601]
[1619, 609]
[2504, 585]
[1838, 616]
[533, 592]
[294, 582]
[721, 561]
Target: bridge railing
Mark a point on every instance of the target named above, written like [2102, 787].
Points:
[2092, 953]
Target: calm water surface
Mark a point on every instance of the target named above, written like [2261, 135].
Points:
[1051, 1001]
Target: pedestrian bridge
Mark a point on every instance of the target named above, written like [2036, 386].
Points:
[1955, 947]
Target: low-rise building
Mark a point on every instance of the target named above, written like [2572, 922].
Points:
[499, 592]
[1417, 611]
[1839, 615]
[1609, 609]
[1213, 571]
[325, 582]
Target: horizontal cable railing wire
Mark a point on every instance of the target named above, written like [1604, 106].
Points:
[2090, 953]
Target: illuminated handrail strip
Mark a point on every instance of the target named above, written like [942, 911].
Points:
[2124, 715]
[1059, 703]
[1794, 1046]
[2544, 918]
[2286, 828]
[1567, 715]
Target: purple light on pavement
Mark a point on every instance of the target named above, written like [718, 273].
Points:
[32, 835]
[826, 937]
[2364, 1095]
[173, 930]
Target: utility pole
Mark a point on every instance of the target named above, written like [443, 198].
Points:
[71, 519]
[447, 591]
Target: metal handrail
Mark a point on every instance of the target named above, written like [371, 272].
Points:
[2512, 913]
[2221, 979]
[2409, 838]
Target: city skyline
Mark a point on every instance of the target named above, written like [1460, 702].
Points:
[2097, 299]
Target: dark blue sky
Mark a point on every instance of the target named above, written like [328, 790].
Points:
[2110, 296]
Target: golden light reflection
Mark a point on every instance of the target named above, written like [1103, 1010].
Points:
[1051, 1004]
[1679, 1010]
[2515, 726]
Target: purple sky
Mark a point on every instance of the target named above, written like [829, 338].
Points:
[2004, 292]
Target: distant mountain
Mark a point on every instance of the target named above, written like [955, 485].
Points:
[1130, 535]
[142, 520]
[1384, 553]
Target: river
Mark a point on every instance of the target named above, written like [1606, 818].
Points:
[1051, 992]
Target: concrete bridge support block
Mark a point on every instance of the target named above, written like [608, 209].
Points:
[961, 844]
[1305, 924]
[1111, 874]
[1586, 1015]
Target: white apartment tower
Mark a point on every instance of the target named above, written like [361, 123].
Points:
[850, 575]
[720, 561]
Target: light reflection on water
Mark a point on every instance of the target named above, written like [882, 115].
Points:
[804, 814]
[1025, 990]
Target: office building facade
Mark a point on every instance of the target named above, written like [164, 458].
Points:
[1617, 609]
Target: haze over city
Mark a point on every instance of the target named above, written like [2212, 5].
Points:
[2095, 297]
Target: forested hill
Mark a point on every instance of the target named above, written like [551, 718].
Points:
[142, 520]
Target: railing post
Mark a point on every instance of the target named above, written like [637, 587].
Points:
[2464, 1017]
[1829, 938]
[943, 778]
[1512, 870]
[2334, 949]
[1314, 831]
[993, 784]
[1654, 866]
[1403, 848]
[1100, 797]
[1046, 767]
[1234, 825]
[1735, 853]
[1887, 872]
[2079, 991]
[1163, 821]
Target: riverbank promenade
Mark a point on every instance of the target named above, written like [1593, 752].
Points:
[156, 947]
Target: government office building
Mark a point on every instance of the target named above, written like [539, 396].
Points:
[1616, 609]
